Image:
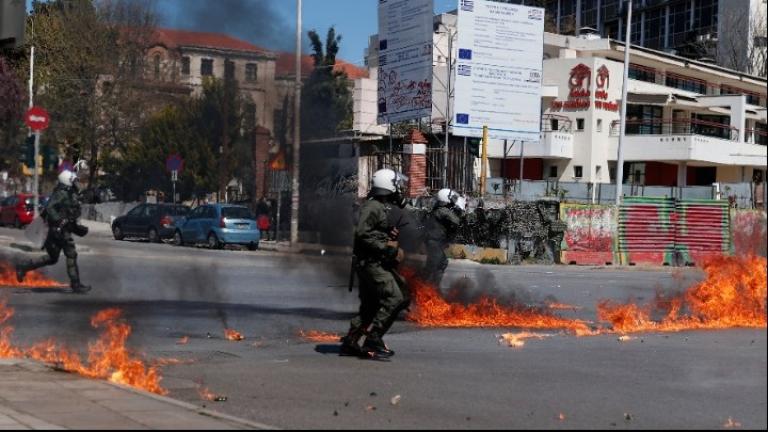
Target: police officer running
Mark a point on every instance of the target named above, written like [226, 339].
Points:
[383, 292]
[61, 214]
[442, 223]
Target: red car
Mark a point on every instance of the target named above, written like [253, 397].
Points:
[17, 210]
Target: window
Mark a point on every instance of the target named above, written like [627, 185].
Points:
[761, 41]
[206, 67]
[136, 211]
[580, 124]
[185, 65]
[598, 172]
[251, 72]
[705, 17]
[644, 119]
[156, 64]
[578, 171]
[679, 22]
[599, 125]
[229, 70]
[553, 171]
[654, 29]
[685, 83]
[589, 13]
[555, 124]
[249, 116]
[642, 73]
[611, 9]
[752, 98]
[635, 33]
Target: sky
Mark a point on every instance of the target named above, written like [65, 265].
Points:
[271, 23]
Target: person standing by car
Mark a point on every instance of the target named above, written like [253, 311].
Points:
[263, 217]
[442, 224]
[383, 292]
[61, 214]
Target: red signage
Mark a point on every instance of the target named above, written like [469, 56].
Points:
[37, 119]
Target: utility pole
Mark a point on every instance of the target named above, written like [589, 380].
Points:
[484, 162]
[296, 135]
[623, 116]
[448, 115]
[36, 181]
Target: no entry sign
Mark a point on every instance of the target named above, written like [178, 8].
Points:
[37, 119]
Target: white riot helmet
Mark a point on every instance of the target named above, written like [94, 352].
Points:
[386, 182]
[461, 203]
[447, 197]
[67, 178]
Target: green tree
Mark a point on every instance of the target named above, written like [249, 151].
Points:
[326, 96]
[11, 107]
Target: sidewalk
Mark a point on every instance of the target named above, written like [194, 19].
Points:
[34, 396]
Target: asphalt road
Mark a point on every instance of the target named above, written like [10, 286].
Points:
[445, 378]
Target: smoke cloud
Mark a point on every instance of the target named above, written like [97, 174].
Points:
[255, 21]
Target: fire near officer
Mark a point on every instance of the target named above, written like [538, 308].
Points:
[61, 214]
[442, 223]
[383, 293]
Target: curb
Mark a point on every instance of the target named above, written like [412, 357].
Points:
[39, 366]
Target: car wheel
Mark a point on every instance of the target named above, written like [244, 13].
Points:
[178, 240]
[213, 241]
[16, 223]
[253, 246]
[153, 236]
[117, 232]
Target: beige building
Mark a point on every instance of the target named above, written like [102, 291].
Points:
[185, 58]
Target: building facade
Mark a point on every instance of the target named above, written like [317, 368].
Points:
[688, 122]
[730, 32]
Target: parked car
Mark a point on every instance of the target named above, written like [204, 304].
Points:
[18, 210]
[155, 222]
[218, 225]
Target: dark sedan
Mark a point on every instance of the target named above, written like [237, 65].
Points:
[154, 222]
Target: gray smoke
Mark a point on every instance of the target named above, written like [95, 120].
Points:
[468, 289]
[255, 21]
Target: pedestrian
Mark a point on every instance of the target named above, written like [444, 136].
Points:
[382, 291]
[263, 217]
[61, 213]
[442, 225]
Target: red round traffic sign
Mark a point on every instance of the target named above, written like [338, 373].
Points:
[37, 119]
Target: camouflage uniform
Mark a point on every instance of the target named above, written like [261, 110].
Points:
[442, 224]
[61, 214]
[383, 292]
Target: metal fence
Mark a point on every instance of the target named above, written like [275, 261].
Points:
[739, 195]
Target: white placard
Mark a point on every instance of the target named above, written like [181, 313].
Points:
[405, 60]
[499, 70]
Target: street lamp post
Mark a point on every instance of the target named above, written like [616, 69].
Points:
[623, 116]
[296, 135]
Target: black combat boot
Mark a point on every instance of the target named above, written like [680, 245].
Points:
[375, 344]
[350, 344]
[21, 273]
[78, 288]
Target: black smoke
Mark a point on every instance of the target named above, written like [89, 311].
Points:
[256, 21]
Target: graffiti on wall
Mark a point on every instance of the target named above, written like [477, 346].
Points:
[749, 232]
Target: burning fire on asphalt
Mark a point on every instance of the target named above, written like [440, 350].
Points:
[517, 340]
[108, 357]
[733, 295]
[233, 335]
[318, 336]
[33, 279]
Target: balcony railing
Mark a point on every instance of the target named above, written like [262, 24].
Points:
[556, 123]
[757, 136]
[677, 127]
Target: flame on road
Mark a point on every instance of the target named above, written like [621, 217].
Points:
[33, 279]
[108, 357]
[318, 336]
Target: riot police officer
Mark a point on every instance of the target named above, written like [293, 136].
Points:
[442, 224]
[61, 214]
[383, 292]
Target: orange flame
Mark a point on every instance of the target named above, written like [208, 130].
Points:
[33, 279]
[206, 394]
[731, 423]
[233, 335]
[431, 310]
[108, 356]
[732, 295]
[318, 336]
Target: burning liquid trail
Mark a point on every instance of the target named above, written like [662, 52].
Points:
[233, 335]
[108, 356]
[318, 336]
[33, 279]
[732, 295]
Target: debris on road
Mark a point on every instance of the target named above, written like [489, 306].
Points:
[233, 335]
[625, 338]
[183, 341]
[517, 340]
[731, 423]
[395, 400]
[561, 417]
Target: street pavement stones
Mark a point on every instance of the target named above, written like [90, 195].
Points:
[34, 396]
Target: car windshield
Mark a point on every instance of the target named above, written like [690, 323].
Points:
[236, 213]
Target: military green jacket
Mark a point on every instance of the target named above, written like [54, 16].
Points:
[63, 205]
[442, 224]
[372, 232]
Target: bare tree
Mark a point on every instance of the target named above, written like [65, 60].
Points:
[742, 41]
